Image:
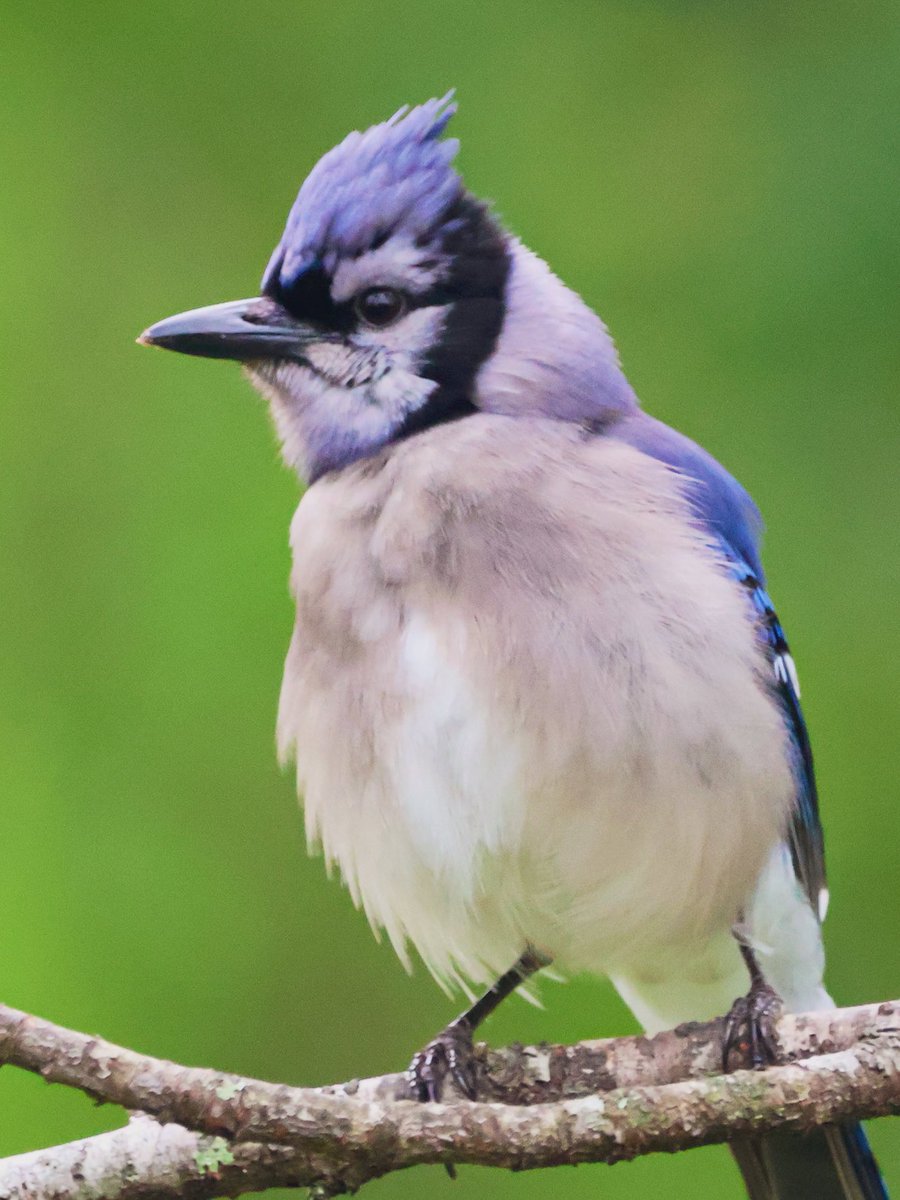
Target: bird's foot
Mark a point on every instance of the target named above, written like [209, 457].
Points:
[451, 1053]
[750, 1039]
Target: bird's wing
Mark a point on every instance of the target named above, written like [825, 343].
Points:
[806, 839]
[728, 513]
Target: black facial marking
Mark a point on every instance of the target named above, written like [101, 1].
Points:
[476, 289]
[308, 298]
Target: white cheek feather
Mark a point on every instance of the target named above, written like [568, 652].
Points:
[348, 367]
[407, 342]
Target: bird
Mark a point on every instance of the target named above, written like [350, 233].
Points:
[541, 705]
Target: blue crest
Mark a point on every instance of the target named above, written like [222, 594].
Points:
[394, 178]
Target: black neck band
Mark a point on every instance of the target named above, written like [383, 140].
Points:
[476, 291]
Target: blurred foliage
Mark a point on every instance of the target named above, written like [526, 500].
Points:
[721, 180]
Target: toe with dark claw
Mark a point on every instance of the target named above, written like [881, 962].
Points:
[750, 1038]
[451, 1053]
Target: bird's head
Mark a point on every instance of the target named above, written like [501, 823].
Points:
[395, 301]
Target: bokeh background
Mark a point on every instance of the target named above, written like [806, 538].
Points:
[720, 180]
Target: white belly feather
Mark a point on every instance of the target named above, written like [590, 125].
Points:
[507, 732]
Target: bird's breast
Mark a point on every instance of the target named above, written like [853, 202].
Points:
[526, 701]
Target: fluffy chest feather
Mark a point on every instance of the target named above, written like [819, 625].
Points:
[526, 702]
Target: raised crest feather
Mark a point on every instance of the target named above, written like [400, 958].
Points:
[403, 161]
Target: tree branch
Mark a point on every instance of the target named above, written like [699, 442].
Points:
[596, 1101]
[148, 1161]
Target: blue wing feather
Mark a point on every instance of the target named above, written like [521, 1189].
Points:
[726, 510]
[806, 838]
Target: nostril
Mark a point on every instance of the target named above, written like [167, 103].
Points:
[264, 312]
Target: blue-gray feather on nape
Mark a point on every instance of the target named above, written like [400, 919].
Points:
[402, 162]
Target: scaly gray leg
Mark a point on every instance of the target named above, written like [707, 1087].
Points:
[750, 1037]
[452, 1051]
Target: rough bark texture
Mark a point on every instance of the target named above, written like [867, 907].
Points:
[541, 1106]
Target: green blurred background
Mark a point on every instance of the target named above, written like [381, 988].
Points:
[720, 180]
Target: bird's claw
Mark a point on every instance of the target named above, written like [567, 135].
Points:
[750, 1039]
[451, 1053]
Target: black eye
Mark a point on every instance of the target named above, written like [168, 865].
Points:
[379, 306]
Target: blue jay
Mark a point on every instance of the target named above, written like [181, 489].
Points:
[541, 705]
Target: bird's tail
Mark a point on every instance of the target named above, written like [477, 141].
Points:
[832, 1163]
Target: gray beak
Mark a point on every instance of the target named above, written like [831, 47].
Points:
[245, 330]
